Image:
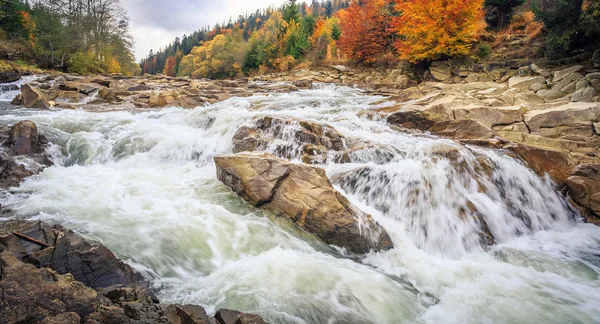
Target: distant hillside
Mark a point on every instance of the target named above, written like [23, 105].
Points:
[381, 33]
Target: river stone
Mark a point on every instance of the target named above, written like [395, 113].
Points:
[560, 75]
[584, 187]
[303, 194]
[92, 264]
[33, 98]
[227, 316]
[31, 294]
[9, 77]
[23, 138]
[305, 83]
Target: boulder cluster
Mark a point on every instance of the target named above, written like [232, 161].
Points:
[117, 92]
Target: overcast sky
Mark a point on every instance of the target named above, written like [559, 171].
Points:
[156, 23]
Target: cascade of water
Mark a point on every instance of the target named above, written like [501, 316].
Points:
[8, 91]
[475, 231]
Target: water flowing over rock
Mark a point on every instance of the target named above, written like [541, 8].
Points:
[303, 194]
[309, 141]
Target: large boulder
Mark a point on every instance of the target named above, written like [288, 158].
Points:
[584, 189]
[8, 77]
[23, 139]
[303, 194]
[33, 98]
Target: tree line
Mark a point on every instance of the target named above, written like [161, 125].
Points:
[369, 32]
[78, 36]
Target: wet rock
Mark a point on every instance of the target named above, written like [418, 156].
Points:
[24, 139]
[33, 98]
[34, 290]
[410, 119]
[30, 294]
[11, 173]
[8, 87]
[64, 318]
[545, 161]
[584, 188]
[92, 264]
[9, 77]
[303, 83]
[227, 316]
[303, 194]
[297, 137]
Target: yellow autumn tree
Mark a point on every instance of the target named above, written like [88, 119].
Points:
[432, 29]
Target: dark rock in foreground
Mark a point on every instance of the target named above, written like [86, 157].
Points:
[8, 77]
[74, 281]
[304, 194]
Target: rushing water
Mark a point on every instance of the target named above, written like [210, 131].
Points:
[143, 183]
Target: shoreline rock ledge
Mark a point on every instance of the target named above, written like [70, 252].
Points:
[304, 194]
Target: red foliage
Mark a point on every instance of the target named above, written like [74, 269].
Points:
[365, 30]
[170, 66]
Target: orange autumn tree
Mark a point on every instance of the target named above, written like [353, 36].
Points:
[432, 29]
[365, 30]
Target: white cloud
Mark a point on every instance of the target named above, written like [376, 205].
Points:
[156, 23]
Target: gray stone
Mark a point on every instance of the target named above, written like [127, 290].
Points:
[536, 87]
[574, 77]
[582, 85]
[552, 94]
[559, 75]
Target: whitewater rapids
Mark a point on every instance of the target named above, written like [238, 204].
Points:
[143, 183]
